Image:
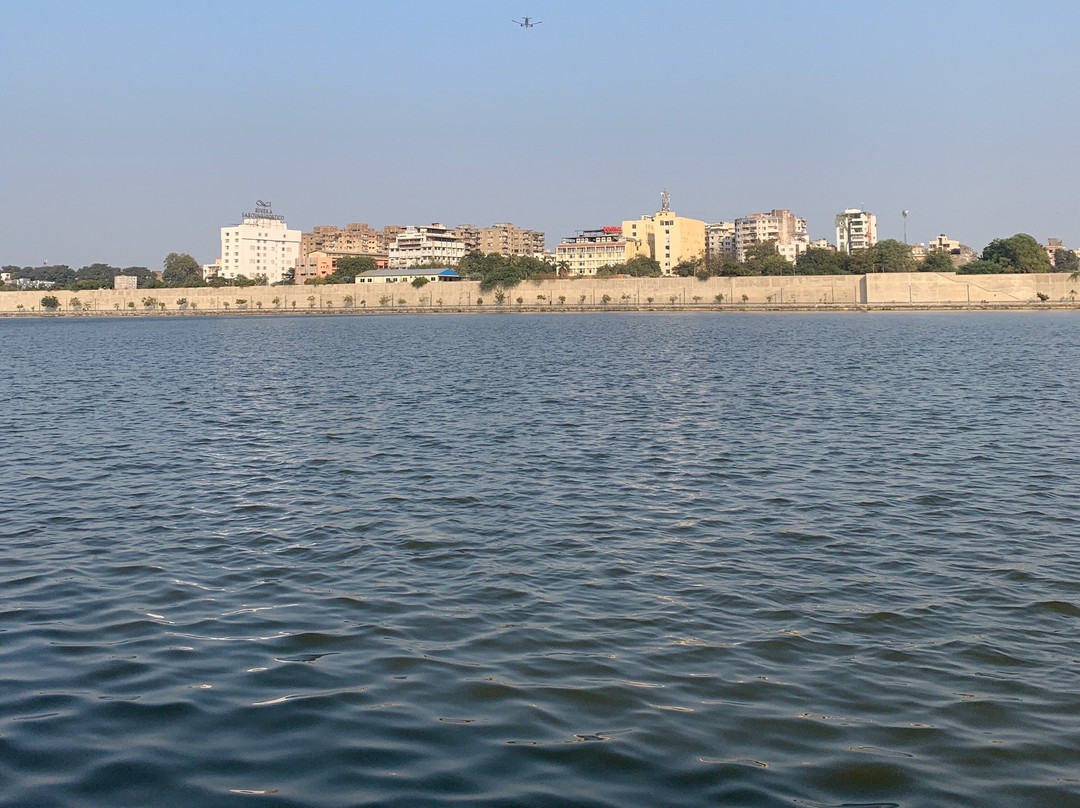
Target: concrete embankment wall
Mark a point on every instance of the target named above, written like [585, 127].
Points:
[900, 289]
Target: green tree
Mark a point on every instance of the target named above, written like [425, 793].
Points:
[688, 268]
[936, 261]
[420, 281]
[1066, 261]
[346, 269]
[50, 302]
[763, 259]
[182, 270]
[892, 256]
[730, 268]
[95, 276]
[819, 261]
[984, 267]
[1021, 253]
[643, 267]
[59, 274]
[860, 262]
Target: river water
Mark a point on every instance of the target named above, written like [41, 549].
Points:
[540, 560]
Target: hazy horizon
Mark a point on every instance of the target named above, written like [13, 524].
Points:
[137, 131]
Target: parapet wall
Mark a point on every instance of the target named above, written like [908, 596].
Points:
[914, 288]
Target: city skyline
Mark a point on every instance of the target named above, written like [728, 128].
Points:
[135, 132]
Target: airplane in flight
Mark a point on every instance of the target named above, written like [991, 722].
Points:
[528, 22]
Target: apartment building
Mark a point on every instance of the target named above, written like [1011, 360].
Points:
[855, 230]
[426, 244]
[505, 239]
[262, 244]
[469, 235]
[781, 226]
[312, 266]
[355, 239]
[720, 240]
[589, 250]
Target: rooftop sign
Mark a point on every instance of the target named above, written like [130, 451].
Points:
[263, 210]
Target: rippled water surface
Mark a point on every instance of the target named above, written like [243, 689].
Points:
[595, 560]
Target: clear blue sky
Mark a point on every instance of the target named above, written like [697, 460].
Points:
[132, 129]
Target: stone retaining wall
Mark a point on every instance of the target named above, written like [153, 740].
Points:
[826, 291]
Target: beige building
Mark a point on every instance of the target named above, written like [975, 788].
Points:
[589, 250]
[781, 226]
[855, 230]
[127, 282]
[261, 244]
[356, 239]
[433, 243]
[720, 240]
[469, 235]
[505, 239]
[943, 244]
[665, 237]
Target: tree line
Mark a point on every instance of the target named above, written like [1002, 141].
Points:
[1020, 254]
[180, 270]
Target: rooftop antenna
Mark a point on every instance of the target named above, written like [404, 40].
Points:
[665, 202]
[904, 213]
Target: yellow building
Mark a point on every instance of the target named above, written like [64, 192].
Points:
[665, 237]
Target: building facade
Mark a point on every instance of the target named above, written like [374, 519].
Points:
[433, 243]
[357, 239]
[262, 244]
[720, 241]
[943, 244]
[855, 230]
[469, 234]
[407, 275]
[665, 237]
[781, 226]
[505, 239]
[589, 250]
[312, 266]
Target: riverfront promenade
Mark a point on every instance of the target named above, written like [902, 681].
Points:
[914, 290]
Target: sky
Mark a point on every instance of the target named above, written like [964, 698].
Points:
[129, 130]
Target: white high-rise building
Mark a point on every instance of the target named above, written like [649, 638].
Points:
[432, 243]
[855, 230]
[261, 244]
